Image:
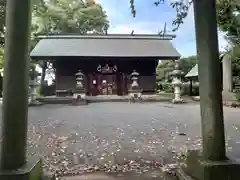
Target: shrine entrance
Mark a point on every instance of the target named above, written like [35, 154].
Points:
[107, 84]
[107, 81]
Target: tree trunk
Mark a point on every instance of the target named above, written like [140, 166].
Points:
[43, 75]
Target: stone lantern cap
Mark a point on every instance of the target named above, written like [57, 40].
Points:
[134, 73]
[79, 74]
[177, 72]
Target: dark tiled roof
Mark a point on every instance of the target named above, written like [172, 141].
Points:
[193, 72]
[105, 46]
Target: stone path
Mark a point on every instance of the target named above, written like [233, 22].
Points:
[119, 137]
[154, 175]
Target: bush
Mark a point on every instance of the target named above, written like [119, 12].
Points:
[237, 95]
[167, 87]
[48, 90]
[186, 89]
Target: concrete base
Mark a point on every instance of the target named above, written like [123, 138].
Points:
[196, 98]
[32, 170]
[77, 102]
[113, 98]
[79, 99]
[178, 101]
[135, 97]
[198, 169]
[36, 103]
[228, 96]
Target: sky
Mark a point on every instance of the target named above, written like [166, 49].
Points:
[150, 20]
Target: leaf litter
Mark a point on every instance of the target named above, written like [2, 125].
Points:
[75, 153]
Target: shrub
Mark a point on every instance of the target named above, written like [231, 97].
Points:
[237, 95]
[167, 87]
[47, 90]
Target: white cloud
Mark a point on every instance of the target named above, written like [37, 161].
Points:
[138, 27]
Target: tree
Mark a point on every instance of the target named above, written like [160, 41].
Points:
[2, 20]
[229, 20]
[69, 16]
[163, 69]
[185, 64]
[1, 58]
[66, 16]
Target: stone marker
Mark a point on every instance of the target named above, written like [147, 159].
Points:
[211, 163]
[227, 93]
[227, 73]
[14, 165]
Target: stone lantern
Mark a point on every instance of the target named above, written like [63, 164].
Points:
[33, 74]
[177, 84]
[135, 91]
[79, 94]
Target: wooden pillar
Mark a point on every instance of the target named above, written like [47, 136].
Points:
[15, 85]
[210, 80]
[191, 87]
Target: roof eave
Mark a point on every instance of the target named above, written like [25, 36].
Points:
[37, 57]
[110, 36]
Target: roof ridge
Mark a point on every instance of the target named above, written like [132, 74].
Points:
[109, 36]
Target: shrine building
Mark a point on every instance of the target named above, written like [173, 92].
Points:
[106, 60]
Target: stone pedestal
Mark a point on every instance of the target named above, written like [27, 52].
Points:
[79, 99]
[32, 170]
[199, 169]
[33, 93]
[211, 163]
[14, 165]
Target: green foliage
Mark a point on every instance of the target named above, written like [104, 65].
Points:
[228, 20]
[65, 16]
[235, 54]
[181, 6]
[1, 58]
[167, 87]
[2, 20]
[68, 16]
[237, 95]
[62, 16]
[164, 68]
[47, 90]
[185, 64]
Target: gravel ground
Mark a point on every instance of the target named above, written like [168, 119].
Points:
[119, 137]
